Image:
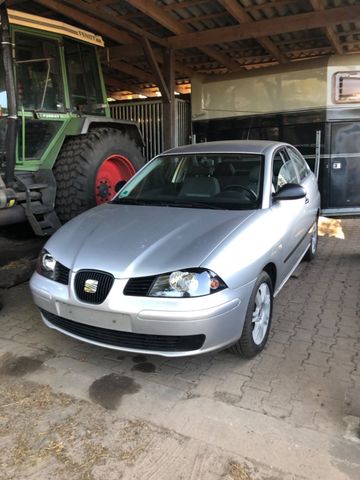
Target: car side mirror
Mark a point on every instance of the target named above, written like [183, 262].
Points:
[289, 191]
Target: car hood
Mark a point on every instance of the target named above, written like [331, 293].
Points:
[134, 241]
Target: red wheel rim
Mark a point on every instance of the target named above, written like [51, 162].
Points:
[114, 169]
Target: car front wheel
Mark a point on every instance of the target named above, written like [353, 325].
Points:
[258, 319]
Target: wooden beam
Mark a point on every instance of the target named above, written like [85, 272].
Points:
[149, 53]
[240, 15]
[104, 2]
[169, 103]
[150, 9]
[115, 19]
[264, 6]
[318, 5]
[183, 4]
[200, 18]
[310, 52]
[264, 28]
[133, 71]
[118, 84]
[119, 52]
[221, 58]
[165, 19]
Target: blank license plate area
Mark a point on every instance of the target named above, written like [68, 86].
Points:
[113, 321]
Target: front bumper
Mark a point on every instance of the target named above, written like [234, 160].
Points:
[140, 324]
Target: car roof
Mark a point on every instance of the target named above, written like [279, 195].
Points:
[227, 146]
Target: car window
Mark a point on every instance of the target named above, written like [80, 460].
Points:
[300, 163]
[210, 180]
[284, 170]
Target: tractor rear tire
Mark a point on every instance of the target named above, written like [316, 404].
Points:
[89, 167]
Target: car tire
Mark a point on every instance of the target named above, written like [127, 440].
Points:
[312, 250]
[79, 165]
[257, 320]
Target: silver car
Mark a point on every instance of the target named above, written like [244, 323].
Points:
[188, 256]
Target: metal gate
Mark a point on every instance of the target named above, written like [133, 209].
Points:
[149, 116]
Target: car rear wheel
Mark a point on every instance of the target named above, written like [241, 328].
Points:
[258, 319]
[312, 250]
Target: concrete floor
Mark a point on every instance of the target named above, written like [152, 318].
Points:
[71, 410]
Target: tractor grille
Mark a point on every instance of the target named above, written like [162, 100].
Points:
[139, 287]
[136, 341]
[103, 282]
[62, 274]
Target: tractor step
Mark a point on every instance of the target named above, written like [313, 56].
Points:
[47, 225]
[43, 221]
[39, 209]
[37, 186]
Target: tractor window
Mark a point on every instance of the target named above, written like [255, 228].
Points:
[3, 97]
[84, 79]
[38, 135]
[38, 75]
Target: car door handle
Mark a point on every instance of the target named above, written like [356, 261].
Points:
[307, 199]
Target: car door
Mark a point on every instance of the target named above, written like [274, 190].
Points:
[289, 216]
[308, 181]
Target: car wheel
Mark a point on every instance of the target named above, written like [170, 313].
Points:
[312, 250]
[258, 319]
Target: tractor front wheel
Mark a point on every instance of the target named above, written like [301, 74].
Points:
[90, 166]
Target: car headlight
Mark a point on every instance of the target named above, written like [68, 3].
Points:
[186, 283]
[46, 265]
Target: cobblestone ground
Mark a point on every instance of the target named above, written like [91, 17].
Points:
[292, 412]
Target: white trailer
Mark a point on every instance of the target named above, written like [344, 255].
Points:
[291, 103]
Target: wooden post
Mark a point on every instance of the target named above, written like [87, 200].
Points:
[169, 103]
[166, 83]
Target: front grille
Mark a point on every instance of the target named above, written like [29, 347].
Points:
[62, 273]
[136, 341]
[139, 287]
[104, 283]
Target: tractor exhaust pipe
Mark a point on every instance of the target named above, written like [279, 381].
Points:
[12, 118]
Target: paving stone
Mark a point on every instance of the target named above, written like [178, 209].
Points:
[350, 320]
[206, 386]
[303, 413]
[353, 401]
[342, 358]
[261, 381]
[275, 348]
[245, 367]
[327, 332]
[252, 399]
[318, 358]
[347, 344]
[281, 337]
[232, 384]
[323, 344]
[276, 411]
[303, 334]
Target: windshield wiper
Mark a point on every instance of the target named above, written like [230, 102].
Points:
[131, 201]
[164, 203]
[194, 204]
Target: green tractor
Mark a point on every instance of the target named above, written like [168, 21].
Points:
[61, 152]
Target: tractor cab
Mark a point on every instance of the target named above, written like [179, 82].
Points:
[54, 72]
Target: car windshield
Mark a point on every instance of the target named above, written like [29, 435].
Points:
[213, 181]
